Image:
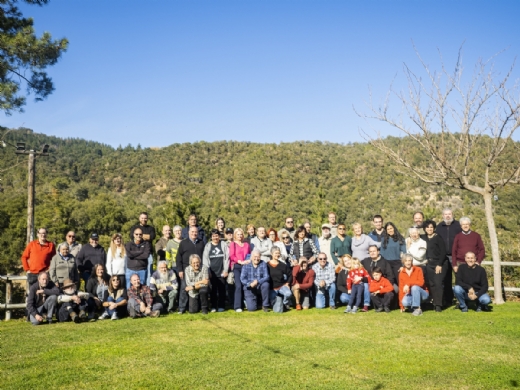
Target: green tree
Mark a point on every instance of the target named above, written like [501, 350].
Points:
[24, 57]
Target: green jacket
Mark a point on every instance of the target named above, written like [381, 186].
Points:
[339, 248]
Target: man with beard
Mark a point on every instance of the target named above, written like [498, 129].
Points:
[164, 283]
[73, 303]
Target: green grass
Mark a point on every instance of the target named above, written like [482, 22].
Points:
[304, 350]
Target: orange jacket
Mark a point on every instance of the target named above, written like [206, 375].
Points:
[383, 285]
[36, 257]
[416, 278]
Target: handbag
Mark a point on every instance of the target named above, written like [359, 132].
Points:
[230, 278]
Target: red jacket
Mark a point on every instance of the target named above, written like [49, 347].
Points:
[37, 257]
[383, 285]
[416, 278]
[304, 279]
[357, 272]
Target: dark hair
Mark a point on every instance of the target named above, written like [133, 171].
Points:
[373, 245]
[111, 288]
[377, 216]
[377, 270]
[396, 236]
[419, 212]
[144, 213]
[300, 229]
[215, 231]
[428, 223]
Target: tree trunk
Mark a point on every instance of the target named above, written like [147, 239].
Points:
[497, 270]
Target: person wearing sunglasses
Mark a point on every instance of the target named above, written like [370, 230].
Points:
[137, 252]
[115, 305]
[74, 246]
[341, 244]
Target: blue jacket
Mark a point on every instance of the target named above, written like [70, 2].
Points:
[250, 273]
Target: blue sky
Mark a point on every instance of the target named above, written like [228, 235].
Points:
[158, 72]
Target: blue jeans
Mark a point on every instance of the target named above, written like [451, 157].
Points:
[357, 293]
[366, 295]
[130, 272]
[415, 297]
[239, 293]
[110, 299]
[150, 271]
[344, 298]
[252, 295]
[285, 293]
[320, 296]
[462, 297]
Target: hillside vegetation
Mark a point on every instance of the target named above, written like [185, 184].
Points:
[87, 186]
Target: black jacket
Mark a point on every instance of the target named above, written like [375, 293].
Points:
[448, 233]
[341, 281]
[186, 249]
[435, 250]
[92, 285]
[137, 255]
[475, 278]
[33, 298]
[382, 263]
[146, 229]
[89, 256]
[279, 275]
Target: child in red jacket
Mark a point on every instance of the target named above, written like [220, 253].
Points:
[381, 291]
[356, 287]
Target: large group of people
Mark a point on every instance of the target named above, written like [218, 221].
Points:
[262, 268]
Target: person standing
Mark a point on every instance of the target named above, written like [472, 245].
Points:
[303, 247]
[333, 225]
[172, 247]
[467, 241]
[311, 236]
[377, 233]
[325, 242]
[148, 232]
[74, 246]
[193, 245]
[63, 266]
[90, 255]
[160, 245]
[262, 243]
[216, 258]
[341, 244]
[448, 229]
[393, 247]
[361, 242]
[117, 259]
[289, 226]
[193, 222]
[138, 252]
[239, 254]
[37, 256]
[437, 265]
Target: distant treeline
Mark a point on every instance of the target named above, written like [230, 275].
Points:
[89, 186]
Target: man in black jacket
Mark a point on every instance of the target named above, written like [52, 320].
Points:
[90, 255]
[42, 300]
[376, 260]
[193, 245]
[448, 229]
[471, 284]
[137, 251]
[148, 235]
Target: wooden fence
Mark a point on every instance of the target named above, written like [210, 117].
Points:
[8, 305]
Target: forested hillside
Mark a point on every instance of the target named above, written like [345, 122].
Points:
[88, 186]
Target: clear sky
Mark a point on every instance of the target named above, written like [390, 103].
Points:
[158, 72]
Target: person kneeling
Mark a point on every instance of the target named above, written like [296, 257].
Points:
[255, 279]
[197, 279]
[471, 285]
[42, 300]
[140, 301]
[412, 291]
[74, 303]
[117, 299]
[164, 283]
[381, 291]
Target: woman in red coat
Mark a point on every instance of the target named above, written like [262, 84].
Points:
[303, 279]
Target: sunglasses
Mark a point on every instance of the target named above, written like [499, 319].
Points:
[285, 238]
[71, 236]
[290, 221]
[138, 234]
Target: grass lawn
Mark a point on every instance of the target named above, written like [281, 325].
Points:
[305, 350]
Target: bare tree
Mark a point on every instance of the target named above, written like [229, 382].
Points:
[462, 129]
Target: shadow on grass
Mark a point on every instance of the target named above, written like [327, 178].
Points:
[513, 383]
[274, 351]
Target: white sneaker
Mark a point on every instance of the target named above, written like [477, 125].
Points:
[104, 316]
[213, 310]
[238, 310]
[114, 317]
